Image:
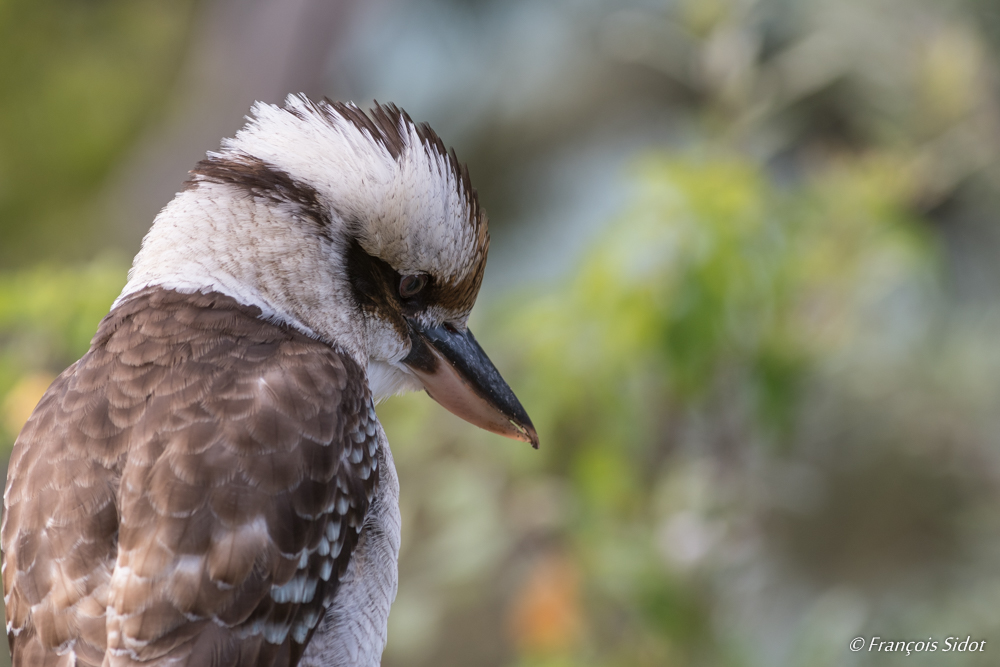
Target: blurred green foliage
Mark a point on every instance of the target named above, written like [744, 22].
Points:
[79, 80]
[662, 376]
[48, 314]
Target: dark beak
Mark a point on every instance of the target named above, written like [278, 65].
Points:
[457, 374]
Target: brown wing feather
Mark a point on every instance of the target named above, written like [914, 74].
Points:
[189, 491]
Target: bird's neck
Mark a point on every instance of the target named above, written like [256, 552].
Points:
[210, 239]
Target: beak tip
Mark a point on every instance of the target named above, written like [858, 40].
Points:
[524, 431]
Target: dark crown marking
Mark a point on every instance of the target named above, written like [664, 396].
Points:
[260, 179]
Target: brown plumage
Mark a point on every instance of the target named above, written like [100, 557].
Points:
[202, 475]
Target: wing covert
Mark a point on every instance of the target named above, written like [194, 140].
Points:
[249, 467]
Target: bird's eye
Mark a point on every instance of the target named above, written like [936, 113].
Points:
[411, 285]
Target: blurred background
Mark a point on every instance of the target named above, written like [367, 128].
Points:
[744, 278]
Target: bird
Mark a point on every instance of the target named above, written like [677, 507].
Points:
[210, 483]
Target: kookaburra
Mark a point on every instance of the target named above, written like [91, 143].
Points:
[210, 485]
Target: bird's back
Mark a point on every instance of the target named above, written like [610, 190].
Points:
[189, 492]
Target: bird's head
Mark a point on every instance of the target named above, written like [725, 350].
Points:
[359, 229]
